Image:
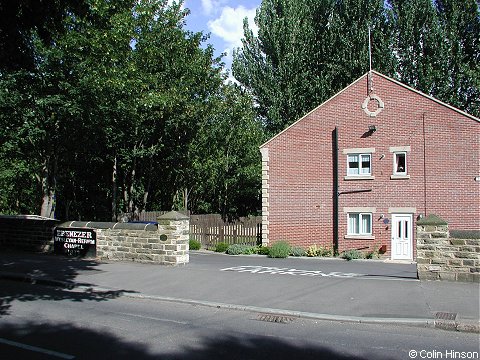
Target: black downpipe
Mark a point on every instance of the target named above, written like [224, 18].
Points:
[335, 188]
[424, 168]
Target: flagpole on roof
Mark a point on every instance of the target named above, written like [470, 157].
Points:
[370, 83]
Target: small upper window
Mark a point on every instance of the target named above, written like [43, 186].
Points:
[359, 164]
[400, 163]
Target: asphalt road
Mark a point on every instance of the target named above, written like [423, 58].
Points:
[364, 290]
[50, 323]
[367, 289]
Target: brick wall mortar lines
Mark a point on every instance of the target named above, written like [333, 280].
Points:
[300, 175]
[265, 196]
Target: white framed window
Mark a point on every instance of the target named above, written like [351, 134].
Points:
[359, 164]
[359, 224]
[400, 163]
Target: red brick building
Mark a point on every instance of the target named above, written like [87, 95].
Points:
[360, 169]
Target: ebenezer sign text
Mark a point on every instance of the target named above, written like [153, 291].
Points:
[75, 242]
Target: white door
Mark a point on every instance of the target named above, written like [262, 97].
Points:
[402, 241]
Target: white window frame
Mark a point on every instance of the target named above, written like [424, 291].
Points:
[395, 150]
[360, 168]
[361, 230]
[395, 164]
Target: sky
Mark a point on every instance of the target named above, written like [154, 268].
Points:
[223, 19]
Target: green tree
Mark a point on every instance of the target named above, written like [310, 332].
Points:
[437, 48]
[18, 185]
[306, 51]
[461, 24]
[120, 112]
[419, 45]
[225, 171]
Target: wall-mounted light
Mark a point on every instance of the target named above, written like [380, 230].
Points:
[372, 128]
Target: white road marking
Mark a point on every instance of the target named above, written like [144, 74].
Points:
[36, 349]
[255, 269]
[154, 318]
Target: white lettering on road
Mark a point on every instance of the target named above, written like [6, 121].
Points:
[289, 271]
[256, 269]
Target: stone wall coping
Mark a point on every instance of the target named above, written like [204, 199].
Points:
[110, 225]
[432, 219]
[465, 234]
[28, 218]
[173, 215]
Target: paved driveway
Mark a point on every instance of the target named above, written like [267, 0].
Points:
[368, 289]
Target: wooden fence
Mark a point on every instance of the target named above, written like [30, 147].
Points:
[210, 229]
[145, 216]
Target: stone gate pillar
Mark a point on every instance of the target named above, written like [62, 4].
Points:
[173, 229]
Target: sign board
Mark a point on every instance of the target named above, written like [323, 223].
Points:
[75, 242]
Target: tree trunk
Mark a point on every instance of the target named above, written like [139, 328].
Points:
[147, 187]
[48, 191]
[47, 204]
[185, 199]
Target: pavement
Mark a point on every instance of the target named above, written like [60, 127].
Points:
[368, 291]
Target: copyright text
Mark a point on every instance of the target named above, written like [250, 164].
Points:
[447, 354]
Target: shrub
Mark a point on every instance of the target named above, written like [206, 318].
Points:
[263, 250]
[279, 249]
[352, 254]
[194, 244]
[312, 251]
[297, 251]
[238, 249]
[374, 253]
[221, 247]
[325, 252]
[315, 250]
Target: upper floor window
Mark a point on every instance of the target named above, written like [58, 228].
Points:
[359, 164]
[400, 157]
[400, 163]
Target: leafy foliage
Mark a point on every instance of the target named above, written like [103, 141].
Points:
[221, 247]
[263, 250]
[194, 244]
[238, 249]
[279, 249]
[315, 250]
[306, 51]
[352, 254]
[120, 109]
[297, 251]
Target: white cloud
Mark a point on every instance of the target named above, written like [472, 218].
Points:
[229, 26]
[207, 6]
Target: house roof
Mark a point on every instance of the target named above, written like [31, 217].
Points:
[387, 78]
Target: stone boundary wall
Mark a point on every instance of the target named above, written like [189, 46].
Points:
[442, 257]
[166, 243]
[27, 232]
